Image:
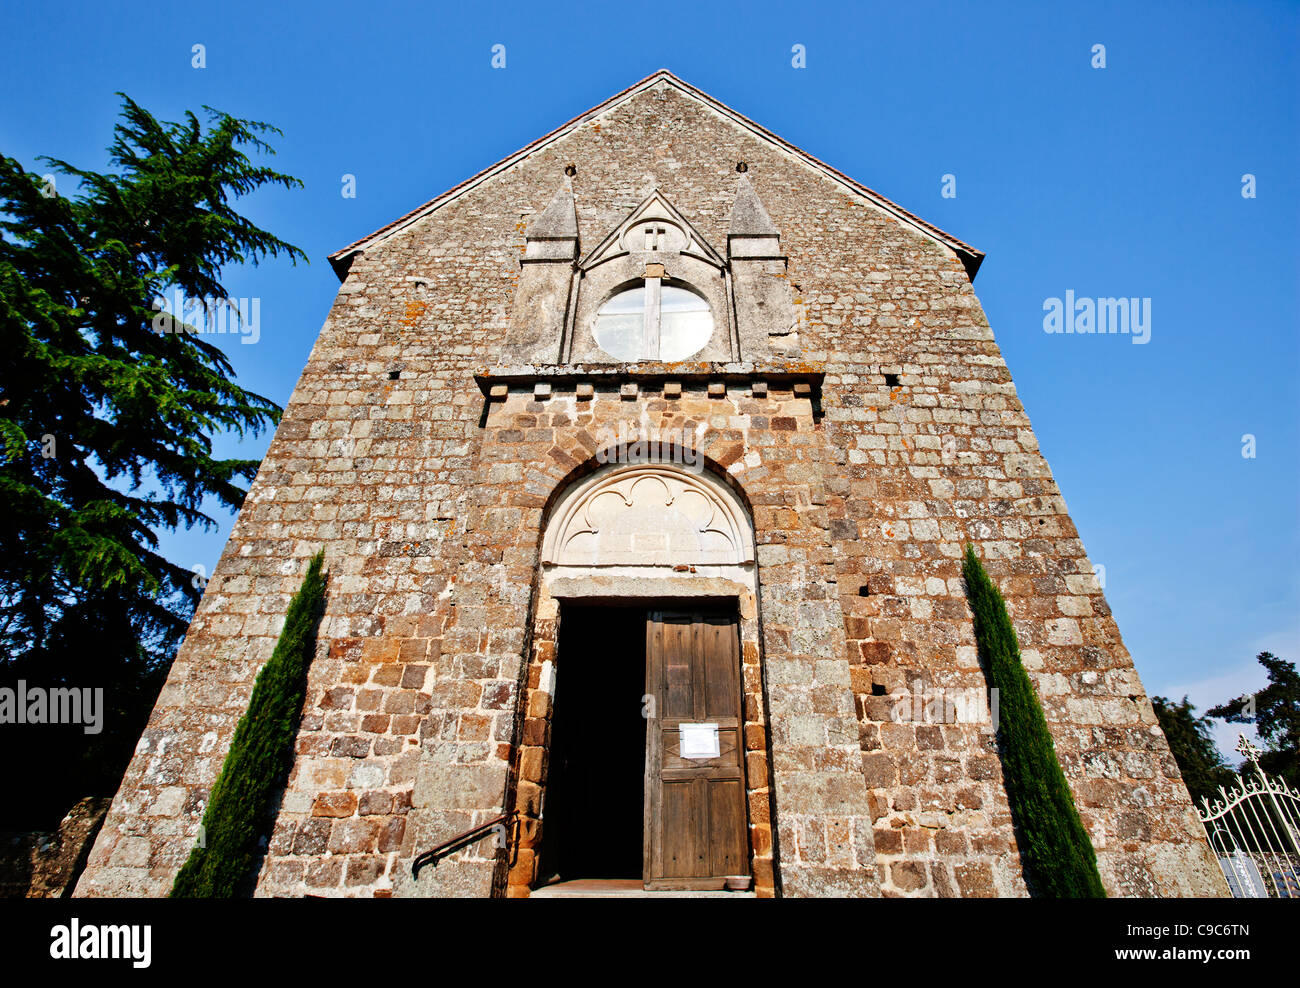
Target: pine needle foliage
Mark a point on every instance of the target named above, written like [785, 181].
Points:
[1059, 855]
[240, 806]
[107, 424]
[110, 419]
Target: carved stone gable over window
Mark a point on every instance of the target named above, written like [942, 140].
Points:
[653, 290]
[656, 269]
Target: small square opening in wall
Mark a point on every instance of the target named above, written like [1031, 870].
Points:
[891, 380]
[879, 689]
[864, 591]
[394, 375]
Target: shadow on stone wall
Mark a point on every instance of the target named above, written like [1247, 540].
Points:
[46, 864]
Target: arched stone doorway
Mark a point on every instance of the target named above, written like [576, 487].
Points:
[642, 750]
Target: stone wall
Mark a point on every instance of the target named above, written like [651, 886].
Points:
[46, 864]
[767, 445]
[429, 502]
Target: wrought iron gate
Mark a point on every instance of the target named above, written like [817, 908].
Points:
[1254, 830]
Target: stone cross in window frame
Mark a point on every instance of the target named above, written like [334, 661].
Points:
[654, 236]
[654, 276]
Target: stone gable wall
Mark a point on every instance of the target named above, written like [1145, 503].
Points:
[429, 502]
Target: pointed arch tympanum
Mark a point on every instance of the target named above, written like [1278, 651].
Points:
[648, 515]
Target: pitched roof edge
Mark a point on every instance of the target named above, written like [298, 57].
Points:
[341, 260]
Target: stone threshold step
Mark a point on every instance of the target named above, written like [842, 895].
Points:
[621, 888]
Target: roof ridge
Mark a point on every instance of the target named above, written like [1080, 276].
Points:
[341, 259]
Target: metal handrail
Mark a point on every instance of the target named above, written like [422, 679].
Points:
[462, 840]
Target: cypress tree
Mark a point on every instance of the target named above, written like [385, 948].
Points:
[1060, 857]
[240, 806]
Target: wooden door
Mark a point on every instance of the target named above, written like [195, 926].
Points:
[696, 828]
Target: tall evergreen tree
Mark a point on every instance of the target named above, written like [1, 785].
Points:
[1275, 712]
[1193, 747]
[1059, 855]
[241, 806]
[106, 425]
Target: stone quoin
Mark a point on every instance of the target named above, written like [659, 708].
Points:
[679, 670]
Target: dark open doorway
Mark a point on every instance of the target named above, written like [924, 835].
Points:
[593, 821]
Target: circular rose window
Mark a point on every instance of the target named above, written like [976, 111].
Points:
[627, 329]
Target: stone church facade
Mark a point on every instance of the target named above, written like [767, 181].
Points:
[643, 463]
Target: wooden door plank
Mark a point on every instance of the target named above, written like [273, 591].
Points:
[650, 834]
[696, 809]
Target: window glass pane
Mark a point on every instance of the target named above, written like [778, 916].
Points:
[620, 325]
[685, 324]
[632, 300]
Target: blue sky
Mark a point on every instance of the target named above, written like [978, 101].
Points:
[1116, 181]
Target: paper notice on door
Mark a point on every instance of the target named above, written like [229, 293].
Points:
[699, 741]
